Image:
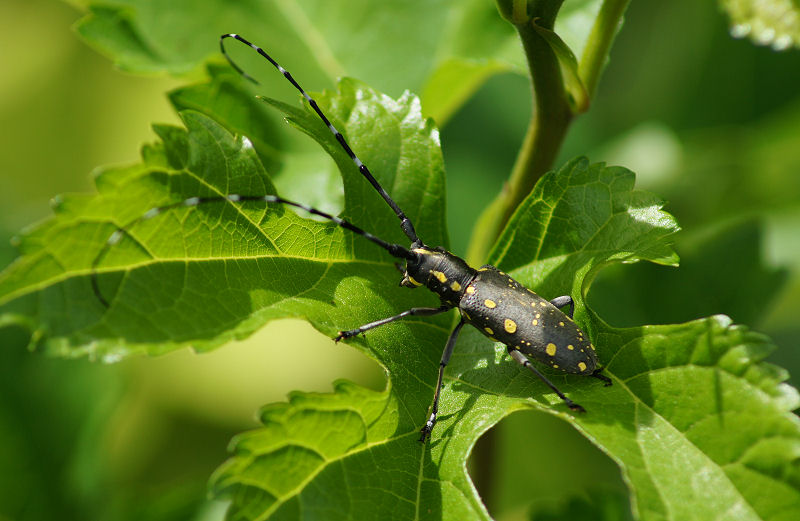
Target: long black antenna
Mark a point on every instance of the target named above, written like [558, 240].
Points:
[396, 250]
[405, 223]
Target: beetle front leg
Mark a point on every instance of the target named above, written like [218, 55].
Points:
[423, 312]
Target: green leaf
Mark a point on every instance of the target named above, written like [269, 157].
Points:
[299, 170]
[577, 220]
[225, 99]
[201, 276]
[767, 22]
[575, 21]
[355, 442]
[453, 82]
[710, 260]
[578, 97]
[679, 390]
[456, 48]
[327, 38]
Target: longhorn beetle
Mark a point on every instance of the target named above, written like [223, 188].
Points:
[500, 307]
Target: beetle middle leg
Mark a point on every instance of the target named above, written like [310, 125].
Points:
[423, 312]
[448, 350]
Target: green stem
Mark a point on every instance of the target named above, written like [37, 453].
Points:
[552, 114]
[595, 54]
[546, 131]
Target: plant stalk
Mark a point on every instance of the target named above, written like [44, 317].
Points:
[546, 132]
[595, 54]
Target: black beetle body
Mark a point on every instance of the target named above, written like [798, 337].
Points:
[508, 312]
[504, 310]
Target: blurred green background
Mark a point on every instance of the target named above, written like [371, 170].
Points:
[710, 123]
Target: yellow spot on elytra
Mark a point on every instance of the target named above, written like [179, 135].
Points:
[489, 303]
[483, 269]
[470, 290]
[581, 366]
[543, 304]
[591, 347]
[455, 286]
[570, 347]
[439, 275]
[538, 315]
[510, 325]
[555, 366]
[535, 322]
[488, 330]
[533, 304]
[561, 324]
[550, 349]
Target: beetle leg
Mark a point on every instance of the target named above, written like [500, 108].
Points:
[560, 302]
[523, 360]
[606, 380]
[448, 350]
[424, 312]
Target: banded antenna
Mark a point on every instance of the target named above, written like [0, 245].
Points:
[405, 222]
[396, 250]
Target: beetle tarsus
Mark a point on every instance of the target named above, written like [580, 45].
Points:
[603, 378]
[575, 407]
[341, 336]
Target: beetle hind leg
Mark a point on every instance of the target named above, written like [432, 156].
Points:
[524, 362]
[603, 378]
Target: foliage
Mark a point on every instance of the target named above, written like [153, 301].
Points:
[698, 423]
